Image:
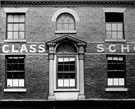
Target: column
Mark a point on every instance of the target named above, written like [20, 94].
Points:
[51, 74]
[81, 75]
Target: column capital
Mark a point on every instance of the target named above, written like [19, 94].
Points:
[51, 51]
[81, 48]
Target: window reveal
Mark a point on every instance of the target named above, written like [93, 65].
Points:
[15, 71]
[116, 70]
[66, 74]
[15, 26]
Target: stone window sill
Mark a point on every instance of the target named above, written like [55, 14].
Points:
[15, 90]
[57, 32]
[116, 89]
[115, 40]
[15, 40]
[66, 90]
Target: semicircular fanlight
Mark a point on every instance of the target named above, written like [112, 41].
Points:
[66, 48]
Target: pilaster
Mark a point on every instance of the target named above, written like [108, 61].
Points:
[51, 73]
[81, 70]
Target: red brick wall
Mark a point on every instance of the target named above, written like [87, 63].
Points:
[91, 28]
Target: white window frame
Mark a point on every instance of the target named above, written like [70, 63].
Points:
[65, 10]
[77, 75]
[116, 10]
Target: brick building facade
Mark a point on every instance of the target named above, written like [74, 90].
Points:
[67, 50]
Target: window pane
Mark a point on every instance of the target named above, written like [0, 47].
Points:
[110, 66]
[116, 81]
[114, 35]
[114, 28]
[109, 58]
[21, 18]
[15, 82]
[108, 27]
[71, 20]
[65, 21]
[10, 35]
[15, 35]
[16, 28]
[59, 26]
[110, 82]
[60, 59]
[66, 82]
[21, 27]
[21, 60]
[9, 75]
[72, 82]
[16, 18]
[120, 36]
[21, 75]
[120, 58]
[72, 67]
[60, 68]
[121, 66]
[9, 83]
[65, 26]
[116, 58]
[71, 26]
[10, 27]
[15, 66]
[66, 60]
[59, 20]
[120, 27]
[72, 60]
[66, 67]
[121, 81]
[114, 17]
[60, 75]
[21, 67]
[9, 66]
[21, 82]
[10, 18]
[21, 35]
[108, 35]
[60, 82]
[9, 60]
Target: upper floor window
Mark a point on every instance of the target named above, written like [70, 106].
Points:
[114, 25]
[15, 26]
[65, 22]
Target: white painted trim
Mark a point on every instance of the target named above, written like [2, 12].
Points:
[15, 10]
[77, 77]
[65, 31]
[114, 9]
[14, 40]
[66, 90]
[65, 10]
[116, 89]
[115, 40]
[15, 90]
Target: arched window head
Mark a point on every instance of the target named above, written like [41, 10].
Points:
[65, 22]
[66, 48]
